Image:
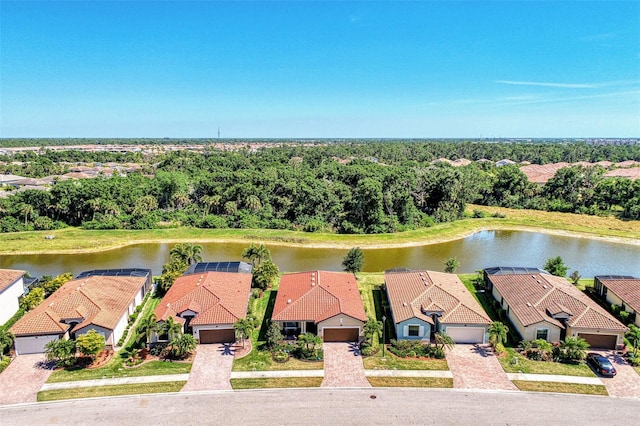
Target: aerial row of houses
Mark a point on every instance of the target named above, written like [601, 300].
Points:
[211, 297]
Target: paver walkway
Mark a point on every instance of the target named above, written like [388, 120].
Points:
[343, 366]
[626, 383]
[475, 368]
[211, 368]
[23, 378]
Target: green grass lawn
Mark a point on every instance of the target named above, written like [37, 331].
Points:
[542, 367]
[116, 369]
[288, 382]
[133, 389]
[392, 362]
[525, 385]
[76, 239]
[410, 382]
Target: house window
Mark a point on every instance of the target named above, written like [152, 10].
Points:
[414, 330]
[542, 333]
[290, 325]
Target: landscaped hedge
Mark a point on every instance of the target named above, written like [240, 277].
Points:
[415, 349]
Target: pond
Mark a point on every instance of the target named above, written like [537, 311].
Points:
[481, 250]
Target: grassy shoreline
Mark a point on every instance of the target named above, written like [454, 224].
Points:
[76, 240]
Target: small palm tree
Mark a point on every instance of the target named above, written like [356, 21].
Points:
[573, 349]
[147, 326]
[6, 340]
[243, 328]
[633, 336]
[444, 340]
[171, 328]
[182, 345]
[498, 333]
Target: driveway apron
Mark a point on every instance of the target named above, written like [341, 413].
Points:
[626, 383]
[23, 378]
[473, 367]
[343, 366]
[211, 368]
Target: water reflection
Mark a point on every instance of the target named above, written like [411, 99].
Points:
[481, 250]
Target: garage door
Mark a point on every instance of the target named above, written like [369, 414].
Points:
[466, 334]
[607, 341]
[33, 344]
[217, 336]
[340, 334]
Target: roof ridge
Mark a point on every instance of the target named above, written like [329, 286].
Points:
[223, 307]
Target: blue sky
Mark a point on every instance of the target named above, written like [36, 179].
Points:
[309, 69]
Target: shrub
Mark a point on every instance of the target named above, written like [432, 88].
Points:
[4, 362]
[133, 317]
[157, 349]
[624, 316]
[478, 214]
[499, 348]
[280, 356]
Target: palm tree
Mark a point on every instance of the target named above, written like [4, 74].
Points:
[573, 349]
[187, 253]
[210, 201]
[95, 204]
[256, 254]
[253, 203]
[445, 340]
[6, 339]
[147, 326]
[171, 328]
[243, 328]
[27, 210]
[181, 345]
[498, 333]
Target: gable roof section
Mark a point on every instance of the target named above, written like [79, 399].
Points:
[536, 297]
[316, 296]
[627, 289]
[215, 297]
[8, 277]
[94, 300]
[411, 294]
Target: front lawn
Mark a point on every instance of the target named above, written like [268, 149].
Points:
[288, 382]
[410, 382]
[116, 369]
[526, 385]
[528, 366]
[115, 390]
[392, 362]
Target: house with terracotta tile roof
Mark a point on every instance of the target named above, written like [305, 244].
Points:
[320, 302]
[622, 291]
[544, 306]
[425, 302]
[11, 288]
[99, 300]
[207, 304]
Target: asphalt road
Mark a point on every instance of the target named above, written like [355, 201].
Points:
[331, 407]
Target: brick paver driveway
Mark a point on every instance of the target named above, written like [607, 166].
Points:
[211, 368]
[475, 368]
[23, 378]
[626, 383]
[343, 366]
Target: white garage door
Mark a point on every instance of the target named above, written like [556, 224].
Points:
[32, 345]
[466, 334]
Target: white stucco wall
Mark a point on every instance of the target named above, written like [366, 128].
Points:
[9, 300]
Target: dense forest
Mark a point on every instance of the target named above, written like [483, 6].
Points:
[343, 188]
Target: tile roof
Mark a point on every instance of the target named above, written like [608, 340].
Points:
[538, 297]
[95, 300]
[215, 297]
[316, 296]
[627, 289]
[8, 277]
[416, 293]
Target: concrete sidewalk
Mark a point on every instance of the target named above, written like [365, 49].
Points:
[554, 378]
[117, 381]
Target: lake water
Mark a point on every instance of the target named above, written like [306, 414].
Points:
[481, 250]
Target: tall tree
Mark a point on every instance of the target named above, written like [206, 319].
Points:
[6, 340]
[556, 266]
[498, 333]
[171, 328]
[243, 328]
[371, 328]
[354, 260]
[187, 253]
[451, 264]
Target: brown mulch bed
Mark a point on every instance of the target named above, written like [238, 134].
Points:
[239, 351]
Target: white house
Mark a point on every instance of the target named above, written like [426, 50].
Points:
[11, 288]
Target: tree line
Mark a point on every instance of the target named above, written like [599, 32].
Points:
[344, 188]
